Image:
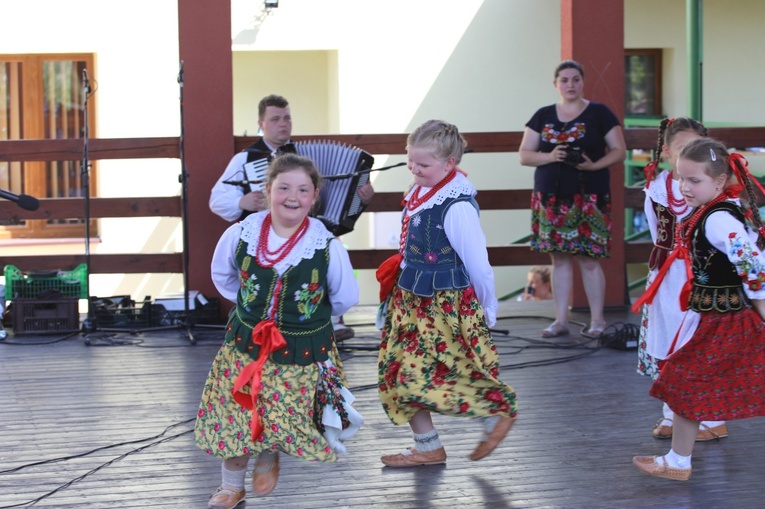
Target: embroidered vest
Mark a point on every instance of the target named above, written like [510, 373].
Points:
[432, 264]
[716, 284]
[303, 309]
[665, 235]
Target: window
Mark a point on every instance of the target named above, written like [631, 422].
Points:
[42, 97]
[642, 82]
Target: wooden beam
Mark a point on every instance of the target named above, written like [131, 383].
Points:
[98, 148]
[135, 263]
[74, 208]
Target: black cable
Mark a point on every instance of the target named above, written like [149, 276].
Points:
[103, 465]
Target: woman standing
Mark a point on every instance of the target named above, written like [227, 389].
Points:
[572, 143]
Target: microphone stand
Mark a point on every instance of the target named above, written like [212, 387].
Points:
[89, 324]
[183, 179]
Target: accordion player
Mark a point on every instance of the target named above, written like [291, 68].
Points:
[343, 168]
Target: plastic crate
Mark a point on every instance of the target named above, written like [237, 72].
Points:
[47, 285]
[34, 316]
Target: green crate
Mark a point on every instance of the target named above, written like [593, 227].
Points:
[51, 284]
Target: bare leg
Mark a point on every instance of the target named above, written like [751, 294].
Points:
[562, 283]
[238, 463]
[594, 286]
[421, 423]
[684, 435]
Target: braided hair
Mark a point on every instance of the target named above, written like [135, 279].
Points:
[668, 129]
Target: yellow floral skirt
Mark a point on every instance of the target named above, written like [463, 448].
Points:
[437, 354]
[287, 405]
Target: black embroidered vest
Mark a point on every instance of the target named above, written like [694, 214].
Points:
[716, 284]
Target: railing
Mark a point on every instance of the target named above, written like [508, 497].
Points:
[170, 206]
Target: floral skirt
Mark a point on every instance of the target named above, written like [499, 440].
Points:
[294, 405]
[719, 374]
[437, 354]
[577, 224]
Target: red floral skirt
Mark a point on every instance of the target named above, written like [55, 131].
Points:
[720, 373]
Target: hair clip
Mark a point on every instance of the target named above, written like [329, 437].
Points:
[670, 122]
[712, 154]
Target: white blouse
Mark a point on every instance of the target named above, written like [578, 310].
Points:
[462, 226]
[342, 284]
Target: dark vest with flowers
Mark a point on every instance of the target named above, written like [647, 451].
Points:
[432, 264]
[716, 284]
[665, 236]
[303, 310]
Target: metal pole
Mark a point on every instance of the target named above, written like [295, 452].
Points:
[694, 43]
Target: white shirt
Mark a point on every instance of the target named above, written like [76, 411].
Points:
[342, 285]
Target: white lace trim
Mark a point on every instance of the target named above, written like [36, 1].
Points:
[460, 186]
[315, 239]
[658, 188]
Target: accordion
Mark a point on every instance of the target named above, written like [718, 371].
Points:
[344, 169]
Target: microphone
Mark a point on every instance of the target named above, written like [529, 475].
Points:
[243, 183]
[24, 201]
[85, 81]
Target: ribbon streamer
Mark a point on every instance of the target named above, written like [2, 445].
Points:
[267, 335]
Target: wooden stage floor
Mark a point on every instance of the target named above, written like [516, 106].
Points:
[108, 425]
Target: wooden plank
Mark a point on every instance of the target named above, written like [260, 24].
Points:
[98, 148]
[101, 263]
[74, 208]
[79, 398]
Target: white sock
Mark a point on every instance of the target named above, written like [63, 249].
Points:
[233, 478]
[489, 423]
[675, 460]
[712, 424]
[427, 441]
[668, 415]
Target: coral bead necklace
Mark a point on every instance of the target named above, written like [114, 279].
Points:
[267, 258]
[676, 205]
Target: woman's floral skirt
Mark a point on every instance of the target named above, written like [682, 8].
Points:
[296, 405]
[438, 354]
[576, 224]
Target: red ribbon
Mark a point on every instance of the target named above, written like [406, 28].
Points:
[267, 335]
[649, 171]
[742, 170]
[387, 274]
[679, 253]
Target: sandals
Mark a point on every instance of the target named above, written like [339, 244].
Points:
[596, 329]
[554, 330]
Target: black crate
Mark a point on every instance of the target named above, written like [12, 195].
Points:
[35, 316]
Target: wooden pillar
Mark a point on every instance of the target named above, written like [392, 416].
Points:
[592, 33]
[204, 32]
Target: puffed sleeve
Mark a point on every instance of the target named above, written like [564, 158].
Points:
[224, 198]
[343, 286]
[463, 228]
[729, 235]
[224, 272]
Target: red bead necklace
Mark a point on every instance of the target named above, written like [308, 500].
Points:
[267, 258]
[684, 228]
[676, 205]
[416, 200]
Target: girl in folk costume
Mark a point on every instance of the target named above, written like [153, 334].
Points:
[277, 383]
[664, 209]
[437, 353]
[717, 373]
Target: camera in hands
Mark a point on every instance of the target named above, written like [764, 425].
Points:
[574, 156]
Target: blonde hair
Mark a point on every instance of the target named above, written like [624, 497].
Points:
[444, 138]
